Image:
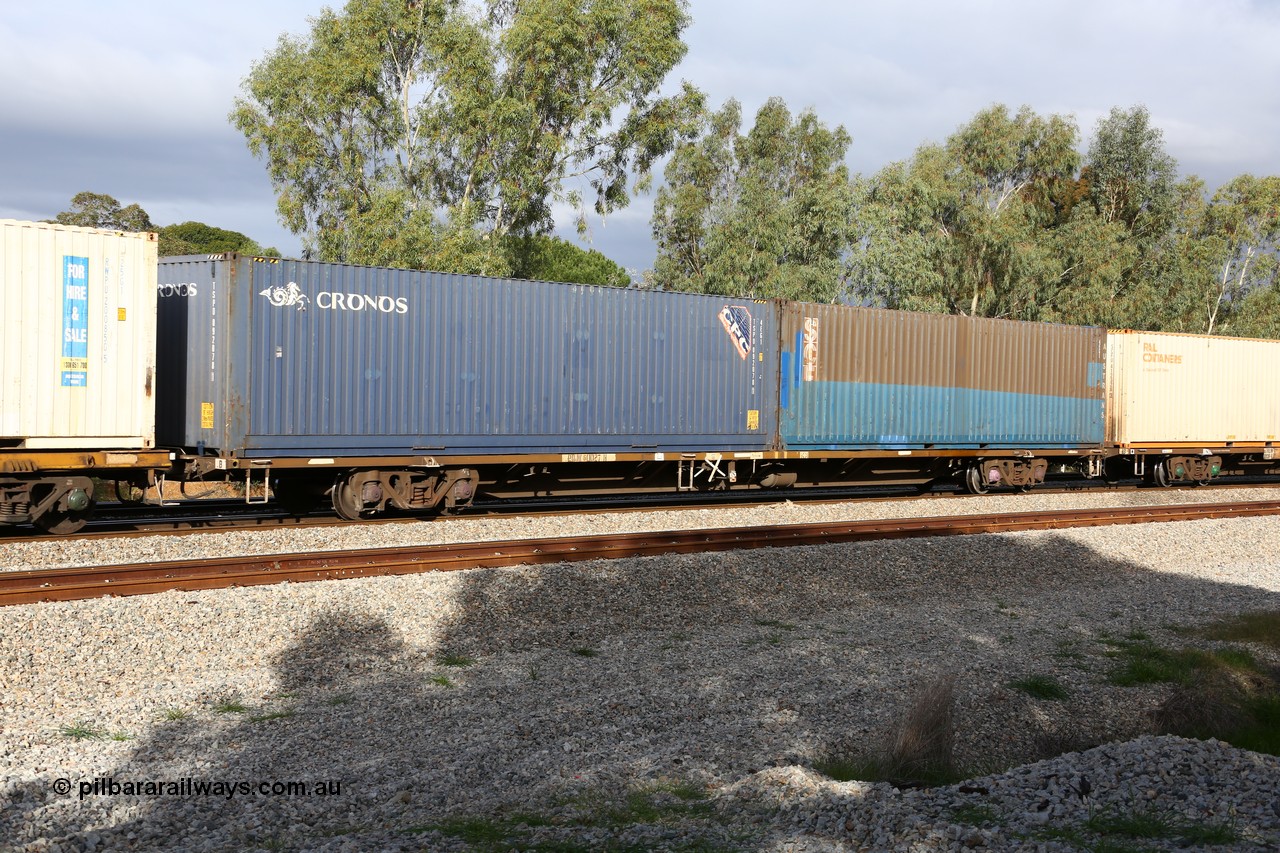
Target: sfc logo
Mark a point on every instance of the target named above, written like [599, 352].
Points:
[737, 322]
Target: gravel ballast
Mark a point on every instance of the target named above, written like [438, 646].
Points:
[673, 703]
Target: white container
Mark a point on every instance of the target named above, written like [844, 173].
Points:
[77, 337]
[1167, 391]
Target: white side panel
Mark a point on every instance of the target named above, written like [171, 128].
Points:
[1166, 388]
[77, 336]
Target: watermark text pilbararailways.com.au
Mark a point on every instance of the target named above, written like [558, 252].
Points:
[189, 786]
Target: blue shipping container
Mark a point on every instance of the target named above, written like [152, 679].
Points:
[269, 357]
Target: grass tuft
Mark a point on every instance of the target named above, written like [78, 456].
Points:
[970, 814]
[83, 731]
[1217, 693]
[230, 706]
[918, 751]
[1040, 687]
[1150, 824]
[1261, 627]
[663, 802]
[274, 715]
[176, 714]
[454, 659]
[1145, 663]
[441, 680]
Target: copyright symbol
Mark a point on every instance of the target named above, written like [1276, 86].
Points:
[62, 787]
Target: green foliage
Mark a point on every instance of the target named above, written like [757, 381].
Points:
[1130, 177]
[541, 258]
[94, 210]
[1040, 687]
[196, 238]
[766, 214]
[83, 731]
[1003, 221]
[1150, 823]
[419, 134]
[969, 227]
[454, 659]
[595, 816]
[1261, 626]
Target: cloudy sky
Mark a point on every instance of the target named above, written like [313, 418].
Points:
[131, 98]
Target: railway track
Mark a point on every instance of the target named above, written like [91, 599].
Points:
[204, 516]
[22, 587]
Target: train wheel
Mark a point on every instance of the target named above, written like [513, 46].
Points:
[346, 502]
[975, 482]
[1160, 475]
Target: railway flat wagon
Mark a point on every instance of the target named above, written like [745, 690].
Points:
[1184, 407]
[381, 387]
[77, 364]
[996, 402]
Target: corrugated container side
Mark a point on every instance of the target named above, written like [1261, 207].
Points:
[302, 358]
[1194, 389]
[77, 336]
[864, 378]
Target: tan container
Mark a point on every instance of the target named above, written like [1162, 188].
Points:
[1167, 391]
[871, 379]
[77, 337]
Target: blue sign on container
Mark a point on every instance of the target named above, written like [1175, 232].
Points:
[75, 322]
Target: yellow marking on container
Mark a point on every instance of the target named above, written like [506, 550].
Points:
[120, 314]
[588, 457]
[206, 416]
[753, 419]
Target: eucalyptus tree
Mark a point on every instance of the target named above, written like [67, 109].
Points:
[1214, 270]
[968, 227]
[98, 210]
[1131, 178]
[1243, 242]
[762, 214]
[420, 132]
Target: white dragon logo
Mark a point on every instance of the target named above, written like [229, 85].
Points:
[284, 296]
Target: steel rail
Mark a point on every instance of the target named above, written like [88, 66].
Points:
[22, 587]
[274, 518]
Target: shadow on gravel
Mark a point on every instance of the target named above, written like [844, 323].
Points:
[614, 705]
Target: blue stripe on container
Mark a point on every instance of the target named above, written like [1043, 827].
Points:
[785, 389]
[849, 415]
[795, 364]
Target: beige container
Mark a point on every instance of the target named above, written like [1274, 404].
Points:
[1166, 391]
[77, 337]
